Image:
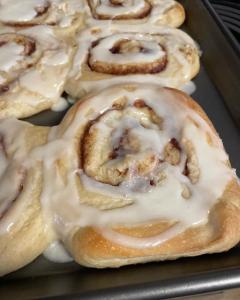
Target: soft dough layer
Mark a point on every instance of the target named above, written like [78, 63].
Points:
[131, 53]
[141, 176]
[23, 235]
[157, 12]
[34, 65]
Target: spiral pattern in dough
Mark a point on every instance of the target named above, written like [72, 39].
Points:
[66, 16]
[33, 69]
[140, 169]
[119, 54]
[159, 12]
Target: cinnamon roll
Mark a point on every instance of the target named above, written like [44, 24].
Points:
[143, 176]
[120, 54]
[33, 69]
[23, 235]
[158, 12]
[65, 16]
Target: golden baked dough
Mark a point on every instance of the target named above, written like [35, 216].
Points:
[23, 235]
[34, 65]
[157, 12]
[131, 53]
[143, 177]
[64, 16]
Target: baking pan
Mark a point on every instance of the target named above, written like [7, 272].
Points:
[218, 91]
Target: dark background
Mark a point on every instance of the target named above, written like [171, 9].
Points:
[229, 12]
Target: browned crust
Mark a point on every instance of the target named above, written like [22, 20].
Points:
[90, 248]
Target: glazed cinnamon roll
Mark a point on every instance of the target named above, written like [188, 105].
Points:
[23, 235]
[119, 53]
[65, 16]
[158, 12]
[143, 176]
[33, 69]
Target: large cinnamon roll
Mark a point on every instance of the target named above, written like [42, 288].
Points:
[158, 12]
[143, 176]
[119, 53]
[65, 16]
[33, 69]
[23, 235]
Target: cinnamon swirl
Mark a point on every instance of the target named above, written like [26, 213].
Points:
[33, 69]
[119, 53]
[143, 176]
[158, 12]
[22, 232]
[64, 16]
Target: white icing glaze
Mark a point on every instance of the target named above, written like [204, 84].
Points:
[19, 11]
[34, 81]
[57, 253]
[60, 105]
[10, 54]
[129, 6]
[103, 7]
[60, 12]
[175, 40]
[49, 65]
[101, 51]
[62, 201]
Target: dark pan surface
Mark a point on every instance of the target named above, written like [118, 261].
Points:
[218, 91]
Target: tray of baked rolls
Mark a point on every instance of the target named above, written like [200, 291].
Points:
[119, 150]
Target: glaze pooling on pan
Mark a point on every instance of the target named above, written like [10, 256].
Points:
[145, 160]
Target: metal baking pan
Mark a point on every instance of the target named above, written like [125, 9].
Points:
[218, 91]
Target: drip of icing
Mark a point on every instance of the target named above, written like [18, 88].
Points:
[60, 105]
[10, 54]
[35, 82]
[19, 11]
[189, 88]
[57, 253]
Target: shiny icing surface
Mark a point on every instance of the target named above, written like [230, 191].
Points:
[12, 170]
[57, 253]
[20, 11]
[136, 200]
[129, 9]
[10, 54]
[42, 72]
[35, 12]
[150, 36]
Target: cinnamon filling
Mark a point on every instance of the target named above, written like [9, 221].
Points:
[41, 13]
[123, 48]
[100, 13]
[18, 52]
[28, 44]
